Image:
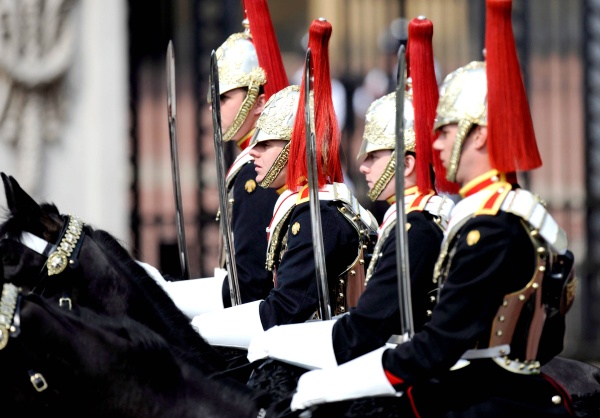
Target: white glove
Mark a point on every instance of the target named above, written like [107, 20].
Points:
[198, 296]
[307, 345]
[230, 327]
[359, 378]
[154, 273]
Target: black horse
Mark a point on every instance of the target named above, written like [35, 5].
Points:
[80, 363]
[106, 280]
[102, 275]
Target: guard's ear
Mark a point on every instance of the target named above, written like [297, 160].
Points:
[260, 103]
[410, 163]
[480, 136]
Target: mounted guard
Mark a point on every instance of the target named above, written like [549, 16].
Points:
[493, 271]
[377, 315]
[279, 152]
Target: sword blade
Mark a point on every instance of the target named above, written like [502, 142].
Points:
[404, 295]
[224, 221]
[172, 117]
[313, 188]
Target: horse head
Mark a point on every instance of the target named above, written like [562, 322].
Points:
[65, 260]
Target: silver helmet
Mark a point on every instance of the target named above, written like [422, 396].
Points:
[238, 67]
[380, 134]
[463, 100]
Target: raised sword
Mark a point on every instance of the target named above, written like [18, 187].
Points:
[313, 189]
[172, 117]
[402, 267]
[224, 220]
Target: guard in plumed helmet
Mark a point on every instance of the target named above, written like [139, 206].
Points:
[250, 70]
[502, 257]
[376, 317]
[278, 149]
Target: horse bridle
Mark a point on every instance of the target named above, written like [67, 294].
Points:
[62, 254]
[10, 326]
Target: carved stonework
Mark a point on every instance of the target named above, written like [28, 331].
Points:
[37, 44]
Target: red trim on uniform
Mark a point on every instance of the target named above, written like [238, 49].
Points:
[480, 186]
[566, 397]
[394, 380]
[388, 217]
[304, 193]
[245, 141]
[491, 201]
[417, 201]
[412, 402]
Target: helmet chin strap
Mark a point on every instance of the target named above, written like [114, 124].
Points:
[464, 126]
[280, 162]
[384, 179]
[242, 114]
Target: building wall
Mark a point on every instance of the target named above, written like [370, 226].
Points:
[64, 136]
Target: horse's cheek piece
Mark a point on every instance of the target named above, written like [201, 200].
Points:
[8, 303]
[57, 261]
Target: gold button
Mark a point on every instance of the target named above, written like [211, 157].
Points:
[556, 399]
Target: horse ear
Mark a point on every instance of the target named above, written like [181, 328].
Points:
[19, 202]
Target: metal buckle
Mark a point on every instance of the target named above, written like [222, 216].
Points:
[38, 381]
[65, 300]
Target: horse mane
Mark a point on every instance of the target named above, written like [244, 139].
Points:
[193, 345]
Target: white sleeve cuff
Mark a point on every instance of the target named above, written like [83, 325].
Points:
[230, 327]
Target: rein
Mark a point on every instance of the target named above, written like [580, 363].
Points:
[60, 255]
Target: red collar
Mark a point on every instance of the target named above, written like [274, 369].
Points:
[481, 182]
[245, 141]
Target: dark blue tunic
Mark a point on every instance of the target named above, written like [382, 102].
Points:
[376, 317]
[481, 273]
[295, 297]
[251, 215]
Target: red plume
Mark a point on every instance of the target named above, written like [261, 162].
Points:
[511, 138]
[421, 69]
[267, 48]
[327, 132]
